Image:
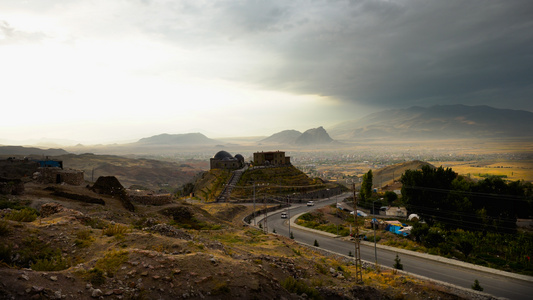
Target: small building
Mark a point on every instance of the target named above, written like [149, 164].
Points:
[395, 211]
[50, 163]
[57, 175]
[276, 158]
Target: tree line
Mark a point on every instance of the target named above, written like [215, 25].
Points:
[441, 196]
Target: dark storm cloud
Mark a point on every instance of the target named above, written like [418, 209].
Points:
[387, 53]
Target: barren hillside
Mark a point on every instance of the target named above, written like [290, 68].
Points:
[79, 250]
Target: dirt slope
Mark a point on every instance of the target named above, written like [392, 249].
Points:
[78, 250]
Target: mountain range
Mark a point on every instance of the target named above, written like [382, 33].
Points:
[414, 123]
[314, 136]
[27, 151]
[438, 122]
[177, 139]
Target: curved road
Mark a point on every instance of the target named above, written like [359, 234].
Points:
[494, 284]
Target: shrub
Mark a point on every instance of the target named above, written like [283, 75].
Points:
[112, 261]
[221, 288]
[23, 215]
[95, 223]
[476, 286]
[83, 238]
[306, 217]
[34, 254]
[33, 250]
[4, 228]
[95, 276]
[398, 263]
[18, 205]
[116, 229]
[299, 287]
[6, 253]
[56, 263]
[370, 238]
[321, 269]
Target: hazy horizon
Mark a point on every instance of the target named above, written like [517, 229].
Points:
[102, 72]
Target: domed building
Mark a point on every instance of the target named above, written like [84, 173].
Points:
[224, 160]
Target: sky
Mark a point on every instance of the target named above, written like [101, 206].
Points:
[104, 71]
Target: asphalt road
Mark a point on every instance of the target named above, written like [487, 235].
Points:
[494, 284]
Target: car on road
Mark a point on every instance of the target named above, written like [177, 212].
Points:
[284, 215]
[310, 203]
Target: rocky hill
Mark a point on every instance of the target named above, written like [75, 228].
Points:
[30, 151]
[283, 137]
[311, 137]
[315, 136]
[52, 247]
[187, 139]
[389, 175]
[438, 122]
[148, 173]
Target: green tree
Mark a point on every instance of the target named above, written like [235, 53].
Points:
[434, 237]
[187, 189]
[398, 263]
[390, 197]
[425, 192]
[366, 186]
[419, 231]
[499, 201]
[465, 247]
[476, 286]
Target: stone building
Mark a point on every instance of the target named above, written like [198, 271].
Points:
[57, 175]
[224, 160]
[272, 158]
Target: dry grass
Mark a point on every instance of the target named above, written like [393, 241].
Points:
[513, 170]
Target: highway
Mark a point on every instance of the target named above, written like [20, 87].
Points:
[492, 283]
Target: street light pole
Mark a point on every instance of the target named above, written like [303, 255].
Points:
[289, 214]
[357, 254]
[254, 205]
[375, 242]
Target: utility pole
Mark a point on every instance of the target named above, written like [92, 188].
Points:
[375, 246]
[266, 218]
[254, 205]
[289, 214]
[357, 255]
[374, 220]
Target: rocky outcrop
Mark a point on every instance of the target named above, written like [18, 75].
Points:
[53, 208]
[11, 186]
[315, 136]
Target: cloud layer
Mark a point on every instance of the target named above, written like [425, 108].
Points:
[323, 60]
[390, 53]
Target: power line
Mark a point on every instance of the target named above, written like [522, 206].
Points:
[455, 213]
[280, 186]
[480, 194]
